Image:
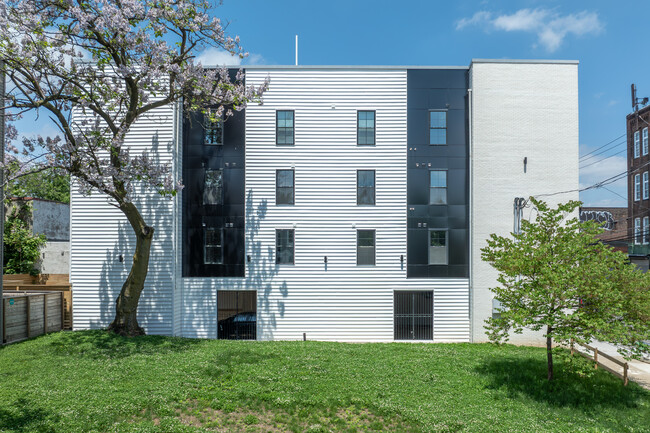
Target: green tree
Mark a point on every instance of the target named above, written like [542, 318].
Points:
[21, 247]
[47, 185]
[557, 277]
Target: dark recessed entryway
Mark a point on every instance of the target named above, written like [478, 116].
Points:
[413, 315]
[237, 315]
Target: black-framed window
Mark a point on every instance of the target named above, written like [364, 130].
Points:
[438, 243]
[437, 186]
[365, 186]
[213, 187]
[365, 247]
[437, 127]
[213, 130]
[413, 315]
[212, 245]
[284, 246]
[284, 187]
[365, 127]
[284, 127]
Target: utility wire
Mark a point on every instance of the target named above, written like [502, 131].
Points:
[606, 144]
[614, 146]
[603, 159]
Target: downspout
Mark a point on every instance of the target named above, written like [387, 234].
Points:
[471, 214]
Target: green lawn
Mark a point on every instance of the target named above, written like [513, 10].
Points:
[93, 381]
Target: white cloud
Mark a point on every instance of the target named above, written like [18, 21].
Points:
[213, 56]
[217, 57]
[550, 27]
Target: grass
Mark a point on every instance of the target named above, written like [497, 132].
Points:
[98, 382]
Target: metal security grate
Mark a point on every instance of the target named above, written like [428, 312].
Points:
[413, 315]
[237, 315]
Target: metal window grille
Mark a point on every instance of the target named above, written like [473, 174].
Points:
[413, 313]
[236, 315]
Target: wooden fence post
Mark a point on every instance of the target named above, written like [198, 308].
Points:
[572, 347]
[625, 366]
[596, 358]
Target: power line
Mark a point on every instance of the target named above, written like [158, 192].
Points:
[615, 145]
[596, 150]
[601, 160]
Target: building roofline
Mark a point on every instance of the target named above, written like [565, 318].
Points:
[346, 67]
[528, 61]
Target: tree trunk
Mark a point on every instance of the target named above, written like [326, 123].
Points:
[549, 353]
[126, 305]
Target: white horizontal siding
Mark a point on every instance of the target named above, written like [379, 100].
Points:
[343, 302]
[99, 234]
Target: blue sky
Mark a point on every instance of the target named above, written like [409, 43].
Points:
[608, 38]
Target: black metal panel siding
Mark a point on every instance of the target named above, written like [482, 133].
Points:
[229, 157]
[430, 89]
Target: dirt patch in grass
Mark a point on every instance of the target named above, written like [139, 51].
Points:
[350, 419]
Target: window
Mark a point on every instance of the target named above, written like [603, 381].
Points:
[284, 246]
[365, 247]
[646, 227]
[213, 187]
[413, 315]
[213, 130]
[284, 131]
[637, 231]
[438, 187]
[636, 144]
[438, 127]
[284, 187]
[438, 247]
[366, 187]
[212, 246]
[645, 141]
[646, 193]
[637, 187]
[366, 127]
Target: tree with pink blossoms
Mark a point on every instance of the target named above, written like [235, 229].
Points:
[97, 66]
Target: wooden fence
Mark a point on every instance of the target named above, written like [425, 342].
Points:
[28, 314]
[43, 283]
[595, 357]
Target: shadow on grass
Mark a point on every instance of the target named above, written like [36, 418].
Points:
[527, 377]
[236, 357]
[104, 344]
[25, 416]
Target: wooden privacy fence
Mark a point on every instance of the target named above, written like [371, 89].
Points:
[43, 283]
[28, 314]
[597, 362]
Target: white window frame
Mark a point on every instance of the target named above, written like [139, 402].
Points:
[637, 187]
[637, 144]
[637, 231]
[646, 193]
[644, 137]
[646, 227]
